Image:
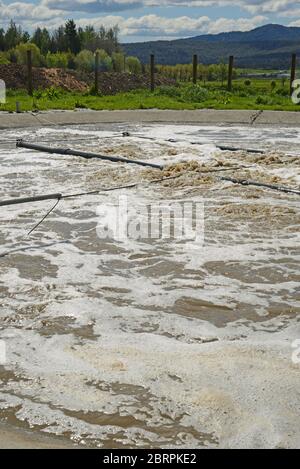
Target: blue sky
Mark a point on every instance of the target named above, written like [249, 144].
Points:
[144, 20]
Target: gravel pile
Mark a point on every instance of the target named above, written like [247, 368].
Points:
[15, 77]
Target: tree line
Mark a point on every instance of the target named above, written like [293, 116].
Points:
[184, 72]
[68, 47]
[66, 38]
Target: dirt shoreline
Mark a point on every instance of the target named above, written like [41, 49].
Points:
[13, 438]
[201, 116]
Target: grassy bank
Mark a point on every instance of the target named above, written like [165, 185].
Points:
[256, 94]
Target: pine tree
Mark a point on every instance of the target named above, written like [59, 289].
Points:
[72, 37]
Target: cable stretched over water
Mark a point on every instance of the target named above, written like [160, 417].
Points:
[58, 197]
[246, 182]
[44, 218]
[174, 140]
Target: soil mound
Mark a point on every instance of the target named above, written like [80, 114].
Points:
[113, 82]
[15, 77]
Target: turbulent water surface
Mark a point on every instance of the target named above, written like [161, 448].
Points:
[152, 342]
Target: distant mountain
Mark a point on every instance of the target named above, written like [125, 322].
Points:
[268, 46]
[269, 32]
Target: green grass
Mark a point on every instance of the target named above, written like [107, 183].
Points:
[258, 95]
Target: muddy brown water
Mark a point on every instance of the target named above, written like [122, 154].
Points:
[152, 342]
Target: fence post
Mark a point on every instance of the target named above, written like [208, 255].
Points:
[152, 71]
[195, 68]
[29, 72]
[97, 73]
[230, 72]
[293, 72]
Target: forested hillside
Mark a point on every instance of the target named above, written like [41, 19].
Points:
[269, 46]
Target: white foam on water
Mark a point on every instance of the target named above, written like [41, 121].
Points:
[152, 342]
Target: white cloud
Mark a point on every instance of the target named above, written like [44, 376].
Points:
[157, 26]
[269, 6]
[52, 13]
[93, 6]
[112, 6]
[145, 26]
[19, 11]
[240, 24]
[292, 13]
[252, 6]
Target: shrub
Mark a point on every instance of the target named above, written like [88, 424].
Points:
[247, 83]
[11, 55]
[118, 60]
[52, 93]
[92, 92]
[38, 94]
[262, 100]
[195, 94]
[170, 91]
[71, 61]
[85, 60]
[21, 54]
[80, 105]
[48, 93]
[133, 65]
[3, 59]
[58, 60]
[105, 61]
[223, 97]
